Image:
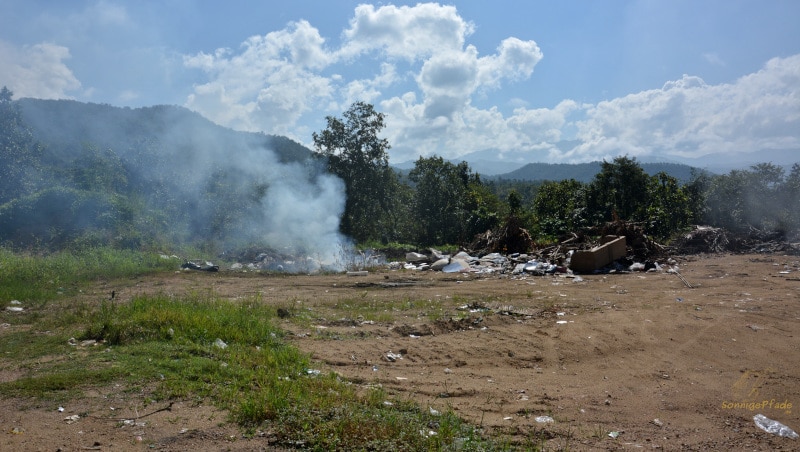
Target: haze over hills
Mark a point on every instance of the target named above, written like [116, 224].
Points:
[523, 166]
[64, 127]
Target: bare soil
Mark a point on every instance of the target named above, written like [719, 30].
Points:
[642, 355]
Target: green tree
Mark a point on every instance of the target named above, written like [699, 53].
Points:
[450, 203]
[19, 154]
[754, 198]
[668, 208]
[94, 170]
[560, 207]
[620, 188]
[354, 152]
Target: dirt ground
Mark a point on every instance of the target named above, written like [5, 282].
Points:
[641, 356]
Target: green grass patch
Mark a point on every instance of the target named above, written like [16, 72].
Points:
[201, 347]
[32, 277]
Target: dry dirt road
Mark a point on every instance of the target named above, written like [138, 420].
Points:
[641, 356]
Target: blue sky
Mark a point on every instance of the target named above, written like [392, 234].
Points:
[651, 79]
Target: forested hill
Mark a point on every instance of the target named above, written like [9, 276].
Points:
[585, 172]
[82, 173]
[66, 127]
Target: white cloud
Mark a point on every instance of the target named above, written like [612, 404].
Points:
[270, 84]
[37, 71]
[274, 80]
[428, 76]
[409, 32]
[515, 60]
[689, 118]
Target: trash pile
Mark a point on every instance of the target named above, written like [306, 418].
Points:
[621, 247]
[707, 239]
[510, 238]
[519, 263]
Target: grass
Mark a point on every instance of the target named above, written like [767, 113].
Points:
[38, 278]
[200, 347]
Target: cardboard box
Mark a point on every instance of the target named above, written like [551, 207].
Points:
[586, 261]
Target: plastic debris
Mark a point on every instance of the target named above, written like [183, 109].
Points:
[774, 427]
[613, 434]
[219, 343]
[544, 419]
[72, 419]
[392, 357]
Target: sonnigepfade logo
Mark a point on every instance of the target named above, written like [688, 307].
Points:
[751, 393]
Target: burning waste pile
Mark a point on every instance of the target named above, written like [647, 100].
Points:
[287, 261]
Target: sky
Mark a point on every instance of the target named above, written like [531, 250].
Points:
[551, 81]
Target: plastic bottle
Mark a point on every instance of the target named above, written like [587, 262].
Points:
[774, 427]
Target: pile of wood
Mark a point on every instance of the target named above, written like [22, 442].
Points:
[707, 239]
[639, 243]
[509, 238]
[703, 239]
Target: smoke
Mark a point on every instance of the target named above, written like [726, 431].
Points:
[201, 183]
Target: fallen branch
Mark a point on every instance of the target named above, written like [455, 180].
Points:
[166, 408]
[683, 279]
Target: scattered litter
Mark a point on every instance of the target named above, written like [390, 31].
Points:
[561, 322]
[679, 300]
[401, 378]
[219, 343]
[774, 427]
[14, 309]
[544, 419]
[17, 430]
[434, 412]
[61, 409]
[657, 422]
[72, 419]
[313, 372]
[358, 273]
[613, 434]
[508, 418]
[206, 267]
[392, 357]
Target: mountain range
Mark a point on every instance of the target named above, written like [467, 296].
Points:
[64, 126]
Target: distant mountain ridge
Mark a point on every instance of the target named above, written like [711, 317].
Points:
[585, 172]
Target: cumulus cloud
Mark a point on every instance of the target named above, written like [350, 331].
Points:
[409, 32]
[37, 71]
[272, 81]
[269, 84]
[416, 65]
[690, 118]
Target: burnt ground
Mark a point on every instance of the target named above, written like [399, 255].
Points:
[664, 365]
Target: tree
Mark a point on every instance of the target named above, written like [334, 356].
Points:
[668, 208]
[560, 207]
[620, 188]
[19, 154]
[354, 152]
[450, 203]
